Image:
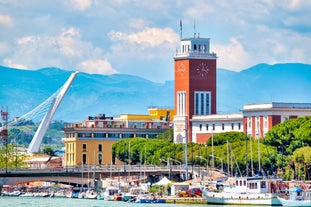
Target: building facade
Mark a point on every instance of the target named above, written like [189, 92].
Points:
[90, 142]
[195, 100]
[195, 84]
[254, 120]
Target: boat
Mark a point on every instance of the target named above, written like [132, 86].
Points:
[246, 191]
[296, 197]
[110, 193]
[74, 193]
[148, 198]
[90, 194]
[132, 194]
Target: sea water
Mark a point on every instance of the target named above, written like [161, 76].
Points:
[71, 202]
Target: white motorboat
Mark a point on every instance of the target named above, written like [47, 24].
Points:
[110, 192]
[246, 191]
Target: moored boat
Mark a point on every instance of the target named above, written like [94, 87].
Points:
[149, 198]
[247, 191]
[296, 197]
[110, 193]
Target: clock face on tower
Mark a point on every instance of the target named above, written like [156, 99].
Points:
[202, 69]
[181, 69]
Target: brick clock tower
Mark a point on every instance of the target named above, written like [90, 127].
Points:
[195, 85]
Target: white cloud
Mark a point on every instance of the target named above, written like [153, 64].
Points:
[96, 67]
[8, 62]
[143, 35]
[6, 20]
[65, 50]
[149, 37]
[81, 5]
[232, 56]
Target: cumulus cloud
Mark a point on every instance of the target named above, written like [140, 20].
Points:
[149, 37]
[96, 66]
[65, 50]
[232, 56]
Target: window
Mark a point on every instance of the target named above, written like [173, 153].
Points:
[206, 127]
[266, 122]
[84, 159]
[196, 103]
[100, 158]
[200, 127]
[100, 147]
[249, 122]
[232, 126]
[181, 100]
[239, 125]
[202, 102]
[223, 127]
[213, 127]
[84, 147]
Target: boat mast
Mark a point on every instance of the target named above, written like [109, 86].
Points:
[259, 167]
[228, 166]
[251, 151]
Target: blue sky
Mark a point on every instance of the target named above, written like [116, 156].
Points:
[140, 37]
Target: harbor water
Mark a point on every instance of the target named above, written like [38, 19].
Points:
[70, 202]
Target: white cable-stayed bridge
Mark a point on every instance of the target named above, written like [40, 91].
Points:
[46, 110]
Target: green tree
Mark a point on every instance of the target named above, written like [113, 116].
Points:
[48, 151]
[10, 158]
[167, 135]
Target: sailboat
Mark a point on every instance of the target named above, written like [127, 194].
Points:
[254, 190]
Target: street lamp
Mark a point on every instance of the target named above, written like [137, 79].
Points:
[206, 163]
[222, 163]
[168, 165]
[179, 167]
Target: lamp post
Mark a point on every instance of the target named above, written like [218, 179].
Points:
[168, 166]
[206, 163]
[179, 167]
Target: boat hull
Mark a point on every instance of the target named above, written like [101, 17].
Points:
[241, 199]
[295, 202]
[151, 201]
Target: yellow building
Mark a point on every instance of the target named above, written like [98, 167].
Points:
[90, 142]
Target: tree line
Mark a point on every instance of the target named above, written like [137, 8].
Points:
[285, 151]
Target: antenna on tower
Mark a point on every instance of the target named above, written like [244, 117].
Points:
[180, 25]
[194, 29]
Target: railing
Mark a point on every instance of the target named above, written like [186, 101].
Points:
[96, 168]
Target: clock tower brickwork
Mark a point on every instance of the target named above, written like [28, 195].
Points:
[195, 85]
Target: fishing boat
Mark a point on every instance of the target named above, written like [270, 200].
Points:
[246, 191]
[296, 197]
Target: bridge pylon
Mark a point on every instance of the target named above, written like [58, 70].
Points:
[37, 139]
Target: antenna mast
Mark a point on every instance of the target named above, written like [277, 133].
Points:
[180, 25]
[194, 32]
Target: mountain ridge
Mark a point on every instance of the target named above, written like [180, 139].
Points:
[90, 94]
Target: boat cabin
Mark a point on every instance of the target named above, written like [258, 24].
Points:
[248, 185]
